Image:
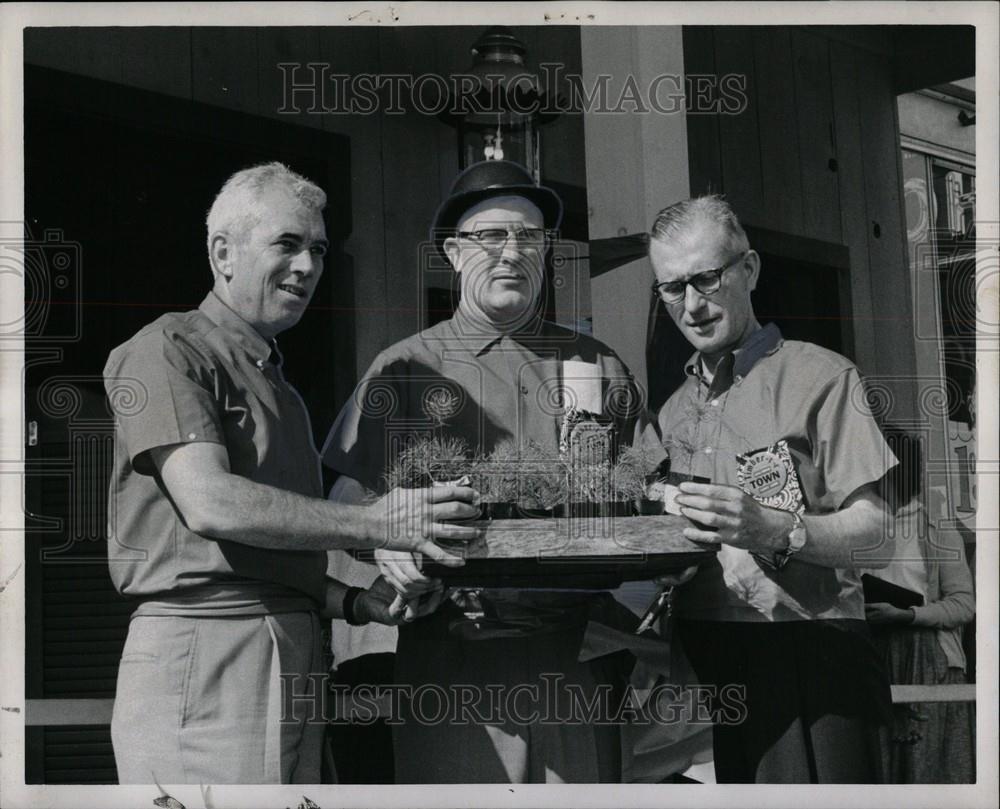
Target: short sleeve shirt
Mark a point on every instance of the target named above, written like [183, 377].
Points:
[461, 380]
[813, 400]
[206, 375]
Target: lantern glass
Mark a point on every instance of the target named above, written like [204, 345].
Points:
[518, 143]
[507, 102]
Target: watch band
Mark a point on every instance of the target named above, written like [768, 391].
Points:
[782, 557]
[779, 559]
[349, 598]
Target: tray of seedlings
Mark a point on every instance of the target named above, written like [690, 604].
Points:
[579, 518]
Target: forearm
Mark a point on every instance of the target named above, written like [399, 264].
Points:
[957, 603]
[348, 491]
[220, 505]
[852, 537]
[235, 508]
[950, 613]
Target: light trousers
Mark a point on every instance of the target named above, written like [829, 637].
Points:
[200, 701]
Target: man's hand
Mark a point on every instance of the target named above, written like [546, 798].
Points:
[382, 604]
[403, 571]
[731, 516]
[413, 518]
[881, 613]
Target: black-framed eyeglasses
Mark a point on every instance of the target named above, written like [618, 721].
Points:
[706, 282]
[495, 239]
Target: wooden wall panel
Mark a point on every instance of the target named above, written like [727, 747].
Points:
[410, 144]
[814, 105]
[636, 165]
[452, 54]
[892, 306]
[224, 67]
[704, 151]
[157, 59]
[93, 52]
[853, 204]
[739, 135]
[615, 186]
[777, 116]
[562, 139]
[351, 52]
[297, 45]
[870, 38]
[664, 136]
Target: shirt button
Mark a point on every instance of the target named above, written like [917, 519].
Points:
[260, 364]
[708, 450]
[524, 390]
[714, 402]
[192, 436]
[737, 379]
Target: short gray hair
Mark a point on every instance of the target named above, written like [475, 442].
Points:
[678, 218]
[236, 208]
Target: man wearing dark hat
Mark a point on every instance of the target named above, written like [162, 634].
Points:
[484, 375]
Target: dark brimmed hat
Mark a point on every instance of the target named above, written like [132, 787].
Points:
[492, 178]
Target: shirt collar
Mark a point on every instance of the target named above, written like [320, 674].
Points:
[759, 344]
[249, 339]
[478, 336]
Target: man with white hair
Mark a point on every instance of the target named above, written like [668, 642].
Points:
[781, 430]
[488, 374]
[218, 524]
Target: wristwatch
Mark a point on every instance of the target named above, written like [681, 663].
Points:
[350, 597]
[796, 542]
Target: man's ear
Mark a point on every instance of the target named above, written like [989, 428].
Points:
[451, 249]
[220, 254]
[751, 265]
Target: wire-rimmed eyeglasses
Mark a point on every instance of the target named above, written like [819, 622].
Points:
[495, 239]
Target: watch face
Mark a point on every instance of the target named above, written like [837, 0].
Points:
[796, 540]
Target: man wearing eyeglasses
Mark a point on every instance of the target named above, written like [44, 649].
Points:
[486, 375]
[781, 430]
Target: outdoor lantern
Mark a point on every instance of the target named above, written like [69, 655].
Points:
[497, 106]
